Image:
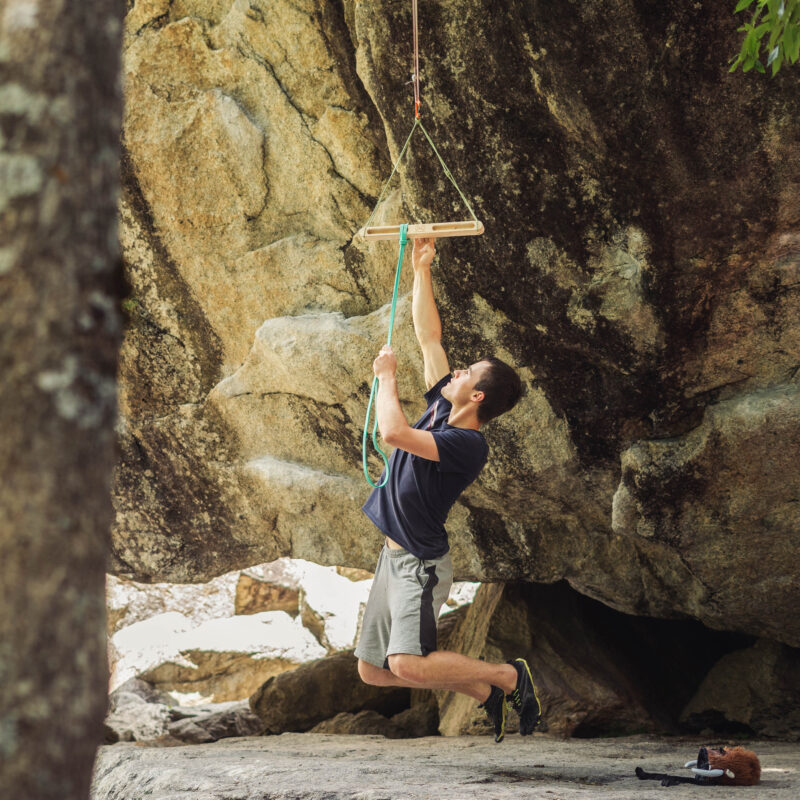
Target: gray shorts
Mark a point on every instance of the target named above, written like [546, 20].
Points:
[403, 607]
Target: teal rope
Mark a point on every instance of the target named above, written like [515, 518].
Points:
[403, 239]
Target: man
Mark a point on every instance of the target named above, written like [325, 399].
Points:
[433, 462]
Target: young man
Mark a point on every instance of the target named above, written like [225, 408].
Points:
[433, 462]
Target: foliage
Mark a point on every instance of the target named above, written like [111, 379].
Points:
[776, 24]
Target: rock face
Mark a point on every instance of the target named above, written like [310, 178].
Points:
[331, 686]
[221, 640]
[60, 289]
[223, 659]
[599, 672]
[640, 266]
[313, 767]
[137, 712]
[752, 689]
[414, 722]
[252, 595]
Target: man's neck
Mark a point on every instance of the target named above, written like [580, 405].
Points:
[464, 417]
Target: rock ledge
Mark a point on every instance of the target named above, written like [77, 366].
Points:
[315, 766]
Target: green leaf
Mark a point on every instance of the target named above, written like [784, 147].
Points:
[774, 28]
[792, 43]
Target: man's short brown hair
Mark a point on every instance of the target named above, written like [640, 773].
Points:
[501, 387]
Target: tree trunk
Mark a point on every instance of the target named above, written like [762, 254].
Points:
[60, 288]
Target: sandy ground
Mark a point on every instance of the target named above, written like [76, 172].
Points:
[328, 767]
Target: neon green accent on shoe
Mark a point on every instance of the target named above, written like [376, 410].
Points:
[524, 698]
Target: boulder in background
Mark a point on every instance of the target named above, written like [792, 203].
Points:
[299, 700]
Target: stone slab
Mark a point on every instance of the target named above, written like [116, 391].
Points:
[316, 766]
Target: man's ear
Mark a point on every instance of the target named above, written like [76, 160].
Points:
[478, 396]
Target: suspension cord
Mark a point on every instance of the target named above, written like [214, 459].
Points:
[416, 58]
[418, 124]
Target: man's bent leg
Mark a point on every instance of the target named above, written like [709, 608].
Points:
[445, 667]
[488, 683]
[511, 681]
[376, 676]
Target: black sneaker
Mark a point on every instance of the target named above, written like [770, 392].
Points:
[496, 708]
[524, 699]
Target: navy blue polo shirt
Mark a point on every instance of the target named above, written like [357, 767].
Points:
[413, 506]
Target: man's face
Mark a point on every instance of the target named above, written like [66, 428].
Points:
[460, 390]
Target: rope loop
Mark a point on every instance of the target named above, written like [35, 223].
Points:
[374, 391]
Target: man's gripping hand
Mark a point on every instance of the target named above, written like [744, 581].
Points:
[385, 365]
[392, 422]
[423, 253]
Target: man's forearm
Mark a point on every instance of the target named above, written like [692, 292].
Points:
[391, 419]
[427, 324]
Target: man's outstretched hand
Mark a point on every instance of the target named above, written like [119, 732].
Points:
[423, 253]
[385, 365]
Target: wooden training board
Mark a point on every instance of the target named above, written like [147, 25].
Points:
[429, 230]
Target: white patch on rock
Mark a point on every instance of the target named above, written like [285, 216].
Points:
[267, 634]
[20, 176]
[146, 644]
[8, 257]
[19, 15]
[131, 602]
[168, 637]
[461, 593]
[337, 601]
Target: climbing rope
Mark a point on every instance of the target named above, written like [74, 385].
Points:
[373, 393]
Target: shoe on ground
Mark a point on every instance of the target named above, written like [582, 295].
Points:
[496, 707]
[524, 699]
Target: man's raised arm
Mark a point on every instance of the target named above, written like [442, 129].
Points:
[427, 324]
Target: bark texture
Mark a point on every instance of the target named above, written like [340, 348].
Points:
[60, 288]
